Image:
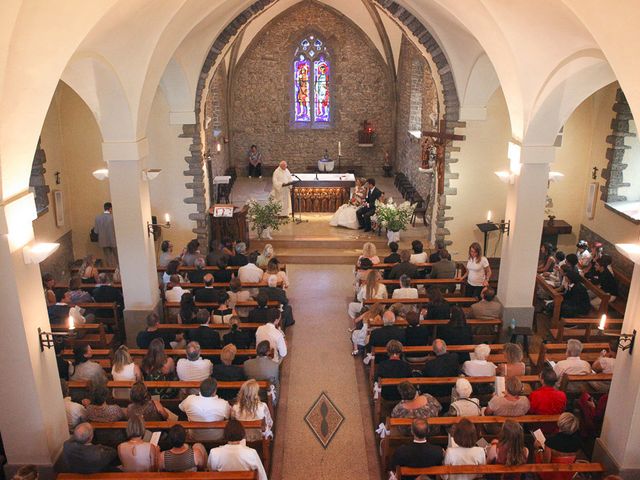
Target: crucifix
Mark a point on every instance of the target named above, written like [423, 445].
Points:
[434, 148]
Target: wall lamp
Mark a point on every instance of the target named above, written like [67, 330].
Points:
[153, 227]
[101, 174]
[625, 340]
[38, 252]
[48, 339]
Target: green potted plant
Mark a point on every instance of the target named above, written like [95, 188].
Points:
[393, 217]
[265, 218]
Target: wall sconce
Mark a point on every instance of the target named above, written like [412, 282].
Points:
[150, 173]
[38, 252]
[48, 339]
[555, 176]
[513, 154]
[625, 340]
[151, 227]
[101, 174]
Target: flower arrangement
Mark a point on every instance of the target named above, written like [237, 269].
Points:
[394, 217]
[265, 217]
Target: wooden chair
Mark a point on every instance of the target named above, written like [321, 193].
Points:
[420, 211]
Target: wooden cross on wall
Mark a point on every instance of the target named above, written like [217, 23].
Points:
[440, 139]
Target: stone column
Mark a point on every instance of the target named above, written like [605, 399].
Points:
[618, 446]
[32, 418]
[131, 212]
[519, 257]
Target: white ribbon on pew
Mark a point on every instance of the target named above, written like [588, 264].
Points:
[272, 393]
[382, 430]
[367, 360]
[267, 434]
[377, 390]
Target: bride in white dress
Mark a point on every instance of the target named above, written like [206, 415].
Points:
[345, 216]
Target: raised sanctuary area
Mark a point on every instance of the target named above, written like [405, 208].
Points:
[280, 239]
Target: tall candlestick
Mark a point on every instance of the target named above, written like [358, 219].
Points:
[339, 149]
[488, 216]
[603, 321]
[167, 218]
[72, 325]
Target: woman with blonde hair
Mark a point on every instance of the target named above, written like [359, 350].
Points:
[135, 454]
[249, 407]
[266, 255]
[273, 268]
[369, 251]
[359, 335]
[88, 271]
[514, 366]
[124, 370]
[373, 288]
[478, 271]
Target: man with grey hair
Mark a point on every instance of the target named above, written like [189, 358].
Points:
[197, 275]
[193, 368]
[389, 331]
[573, 365]
[80, 456]
[240, 258]
[251, 273]
[445, 364]
[405, 290]
[107, 293]
[277, 294]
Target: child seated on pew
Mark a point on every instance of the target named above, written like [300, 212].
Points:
[508, 449]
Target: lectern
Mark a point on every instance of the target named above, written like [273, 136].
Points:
[235, 227]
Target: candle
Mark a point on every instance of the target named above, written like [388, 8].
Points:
[72, 325]
[489, 216]
[167, 219]
[603, 321]
[218, 147]
[339, 149]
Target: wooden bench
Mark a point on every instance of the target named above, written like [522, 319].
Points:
[619, 305]
[493, 323]
[99, 353]
[404, 472]
[556, 297]
[264, 445]
[251, 475]
[212, 305]
[175, 327]
[588, 325]
[100, 339]
[420, 301]
[557, 352]
[262, 384]
[283, 267]
[397, 427]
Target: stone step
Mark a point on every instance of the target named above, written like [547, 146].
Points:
[330, 256]
[329, 243]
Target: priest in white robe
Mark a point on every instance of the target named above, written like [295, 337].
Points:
[282, 192]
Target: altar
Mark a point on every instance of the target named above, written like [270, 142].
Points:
[321, 192]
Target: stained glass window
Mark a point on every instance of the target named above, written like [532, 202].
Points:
[311, 87]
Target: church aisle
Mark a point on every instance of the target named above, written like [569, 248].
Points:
[319, 361]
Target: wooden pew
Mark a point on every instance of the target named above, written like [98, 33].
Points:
[262, 384]
[403, 472]
[557, 352]
[619, 305]
[174, 327]
[397, 436]
[588, 326]
[493, 323]
[161, 476]
[211, 305]
[263, 446]
[427, 281]
[100, 339]
[555, 295]
[421, 301]
[99, 353]
[426, 350]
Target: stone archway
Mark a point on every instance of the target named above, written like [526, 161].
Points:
[195, 159]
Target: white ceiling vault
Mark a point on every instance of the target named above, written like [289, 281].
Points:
[547, 56]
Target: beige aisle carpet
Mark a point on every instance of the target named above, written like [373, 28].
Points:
[320, 361]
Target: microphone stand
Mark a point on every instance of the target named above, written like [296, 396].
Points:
[293, 186]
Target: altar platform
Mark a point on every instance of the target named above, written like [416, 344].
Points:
[316, 241]
[321, 192]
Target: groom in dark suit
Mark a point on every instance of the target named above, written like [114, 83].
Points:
[365, 212]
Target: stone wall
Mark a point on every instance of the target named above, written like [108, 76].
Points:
[215, 111]
[261, 95]
[614, 173]
[37, 181]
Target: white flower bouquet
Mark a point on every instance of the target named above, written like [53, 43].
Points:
[394, 217]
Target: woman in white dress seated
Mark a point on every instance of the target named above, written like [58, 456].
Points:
[345, 216]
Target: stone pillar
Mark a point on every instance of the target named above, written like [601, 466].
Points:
[519, 257]
[618, 446]
[131, 212]
[32, 418]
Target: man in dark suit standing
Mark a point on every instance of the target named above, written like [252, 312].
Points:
[365, 212]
